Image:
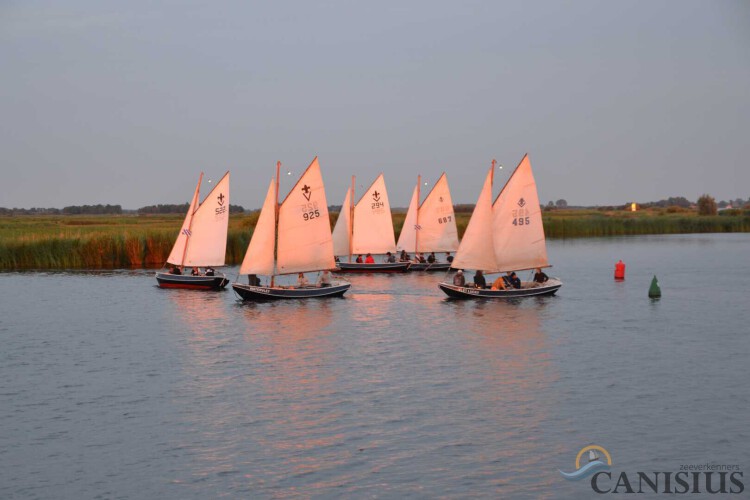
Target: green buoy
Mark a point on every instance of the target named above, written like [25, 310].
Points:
[654, 291]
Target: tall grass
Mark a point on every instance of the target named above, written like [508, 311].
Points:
[108, 242]
[594, 226]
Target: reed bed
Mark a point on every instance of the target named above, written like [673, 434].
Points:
[110, 242]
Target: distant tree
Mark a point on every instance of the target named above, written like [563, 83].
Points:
[92, 209]
[463, 208]
[551, 204]
[706, 205]
[561, 203]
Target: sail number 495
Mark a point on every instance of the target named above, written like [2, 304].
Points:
[521, 221]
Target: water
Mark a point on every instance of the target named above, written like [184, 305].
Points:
[113, 388]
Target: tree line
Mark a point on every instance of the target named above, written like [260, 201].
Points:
[107, 210]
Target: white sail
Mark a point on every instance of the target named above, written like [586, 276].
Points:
[407, 240]
[373, 226]
[178, 249]
[207, 244]
[517, 226]
[476, 250]
[343, 228]
[259, 258]
[305, 242]
[437, 222]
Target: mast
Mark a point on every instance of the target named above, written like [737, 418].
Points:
[351, 222]
[416, 222]
[190, 224]
[276, 219]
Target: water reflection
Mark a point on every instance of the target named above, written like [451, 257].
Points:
[298, 374]
[515, 362]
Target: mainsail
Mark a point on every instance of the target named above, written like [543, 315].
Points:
[305, 242]
[372, 230]
[431, 226]
[203, 237]
[517, 228]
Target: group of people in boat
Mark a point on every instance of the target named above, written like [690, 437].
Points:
[324, 279]
[509, 281]
[403, 257]
[194, 272]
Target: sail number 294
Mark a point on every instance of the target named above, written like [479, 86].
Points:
[310, 211]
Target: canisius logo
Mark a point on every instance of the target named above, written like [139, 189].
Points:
[596, 462]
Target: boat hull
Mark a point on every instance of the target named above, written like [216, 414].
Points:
[189, 282]
[264, 293]
[435, 266]
[464, 292]
[385, 267]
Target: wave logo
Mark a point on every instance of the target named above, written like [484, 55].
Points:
[595, 463]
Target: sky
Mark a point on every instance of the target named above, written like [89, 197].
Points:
[127, 102]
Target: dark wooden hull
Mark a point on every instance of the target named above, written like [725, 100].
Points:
[385, 267]
[463, 292]
[263, 293]
[189, 282]
[435, 266]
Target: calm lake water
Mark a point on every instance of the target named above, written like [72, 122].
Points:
[113, 388]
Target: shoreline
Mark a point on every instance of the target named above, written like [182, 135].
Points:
[63, 242]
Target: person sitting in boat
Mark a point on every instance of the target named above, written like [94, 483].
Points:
[210, 271]
[390, 258]
[459, 279]
[431, 258]
[253, 280]
[369, 259]
[539, 276]
[479, 280]
[404, 256]
[324, 279]
[499, 283]
[420, 258]
[359, 259]
[196, 272]
[175, 270]
[515, 281]
[302, 280]
[448, 257]
[336, 259]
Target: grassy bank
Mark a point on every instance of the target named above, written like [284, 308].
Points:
[108, 242]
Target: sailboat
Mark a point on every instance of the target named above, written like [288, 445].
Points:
[299, 231]
[431, 226]
[505, 236]
[366, 228]
[201, 242]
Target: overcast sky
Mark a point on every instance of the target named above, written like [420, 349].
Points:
[615, 101]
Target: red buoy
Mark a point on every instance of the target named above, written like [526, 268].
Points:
[620, 270]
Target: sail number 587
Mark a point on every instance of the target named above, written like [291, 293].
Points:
[521, 221]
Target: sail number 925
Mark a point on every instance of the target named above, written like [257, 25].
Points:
[309, 211]
[521, 221]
